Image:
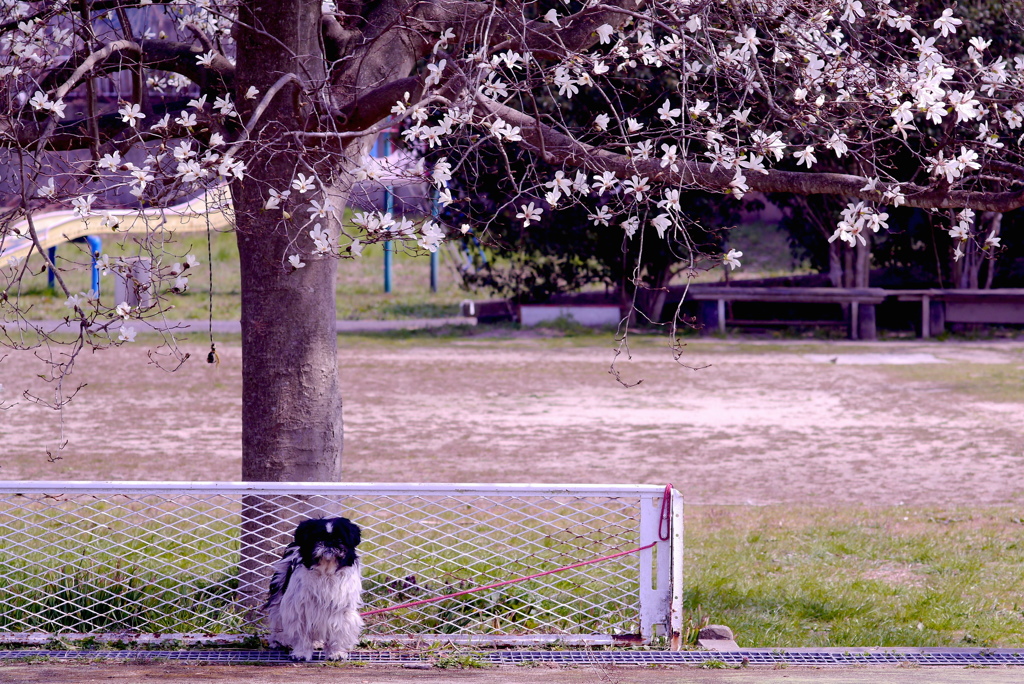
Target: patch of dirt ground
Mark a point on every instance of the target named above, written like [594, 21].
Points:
[826, 423]
[163, 673]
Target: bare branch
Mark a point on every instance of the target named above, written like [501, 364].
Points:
[371, 107]
[90, 62]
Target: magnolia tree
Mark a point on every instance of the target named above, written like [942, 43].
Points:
[880, 102]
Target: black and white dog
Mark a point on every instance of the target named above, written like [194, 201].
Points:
[315, 594]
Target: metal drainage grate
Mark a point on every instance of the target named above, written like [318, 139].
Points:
[751, 656]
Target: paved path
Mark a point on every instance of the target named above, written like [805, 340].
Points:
[162, 673]
[235, 328]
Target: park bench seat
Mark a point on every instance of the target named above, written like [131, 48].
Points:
[939, 307]
[861, 302]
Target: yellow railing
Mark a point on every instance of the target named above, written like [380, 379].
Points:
[211, 210]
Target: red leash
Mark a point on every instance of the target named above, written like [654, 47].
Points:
[664, 532]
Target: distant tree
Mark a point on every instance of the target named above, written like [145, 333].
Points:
[570, 247]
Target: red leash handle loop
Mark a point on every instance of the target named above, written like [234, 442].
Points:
[665, 523]
[664, 533]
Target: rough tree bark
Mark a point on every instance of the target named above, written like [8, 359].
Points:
[291, 399]
[291, 396]
[292, 404]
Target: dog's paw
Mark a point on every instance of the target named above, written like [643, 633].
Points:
[339, 654]
[302, 654]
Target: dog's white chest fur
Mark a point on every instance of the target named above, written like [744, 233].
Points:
[320, 605]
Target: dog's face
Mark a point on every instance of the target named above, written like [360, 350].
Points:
[327, 539]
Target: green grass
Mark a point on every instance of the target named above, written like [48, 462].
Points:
[998, 382]
[784, 576]
[360, 285]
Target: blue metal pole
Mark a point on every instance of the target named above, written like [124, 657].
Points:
[389, 207]
[50, 278]
[433, 255]
[433, 271]
[95, 247]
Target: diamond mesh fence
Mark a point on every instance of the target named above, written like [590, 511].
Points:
[93, 558]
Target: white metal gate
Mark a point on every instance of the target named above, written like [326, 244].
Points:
[186, 558]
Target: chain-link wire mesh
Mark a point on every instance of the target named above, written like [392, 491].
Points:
[174, 558]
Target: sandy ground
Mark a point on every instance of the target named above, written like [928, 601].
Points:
[822, 423]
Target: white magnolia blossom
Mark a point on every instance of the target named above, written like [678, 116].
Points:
[325, 240]
[806, 156]
[206, 59]
[505, 131]
[303, 183]
[602, 217]
[162, 123]
[47, 190]
[275, 198]
[442, 172]
[225, 106]
[732, 259]
[661, 223]
[41, 102]
[529, 213]
[856, 218]
[318, 210]
[631, 225]
[431, 236]
[83, 205]
[604, 32]
[637, 186]
[947, 23]
[131, 114]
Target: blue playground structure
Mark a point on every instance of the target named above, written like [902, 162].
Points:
[95, 247]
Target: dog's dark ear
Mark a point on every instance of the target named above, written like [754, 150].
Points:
[307, 529]
[350, 532]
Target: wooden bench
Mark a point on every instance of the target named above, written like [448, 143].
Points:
[939, 307]
[860, 318]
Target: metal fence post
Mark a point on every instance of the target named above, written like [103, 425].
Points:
[676, 609]
[655, 572]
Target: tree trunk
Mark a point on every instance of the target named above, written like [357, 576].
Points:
[291, 398]
[995, 225]
[862, 276]
[835, 263]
